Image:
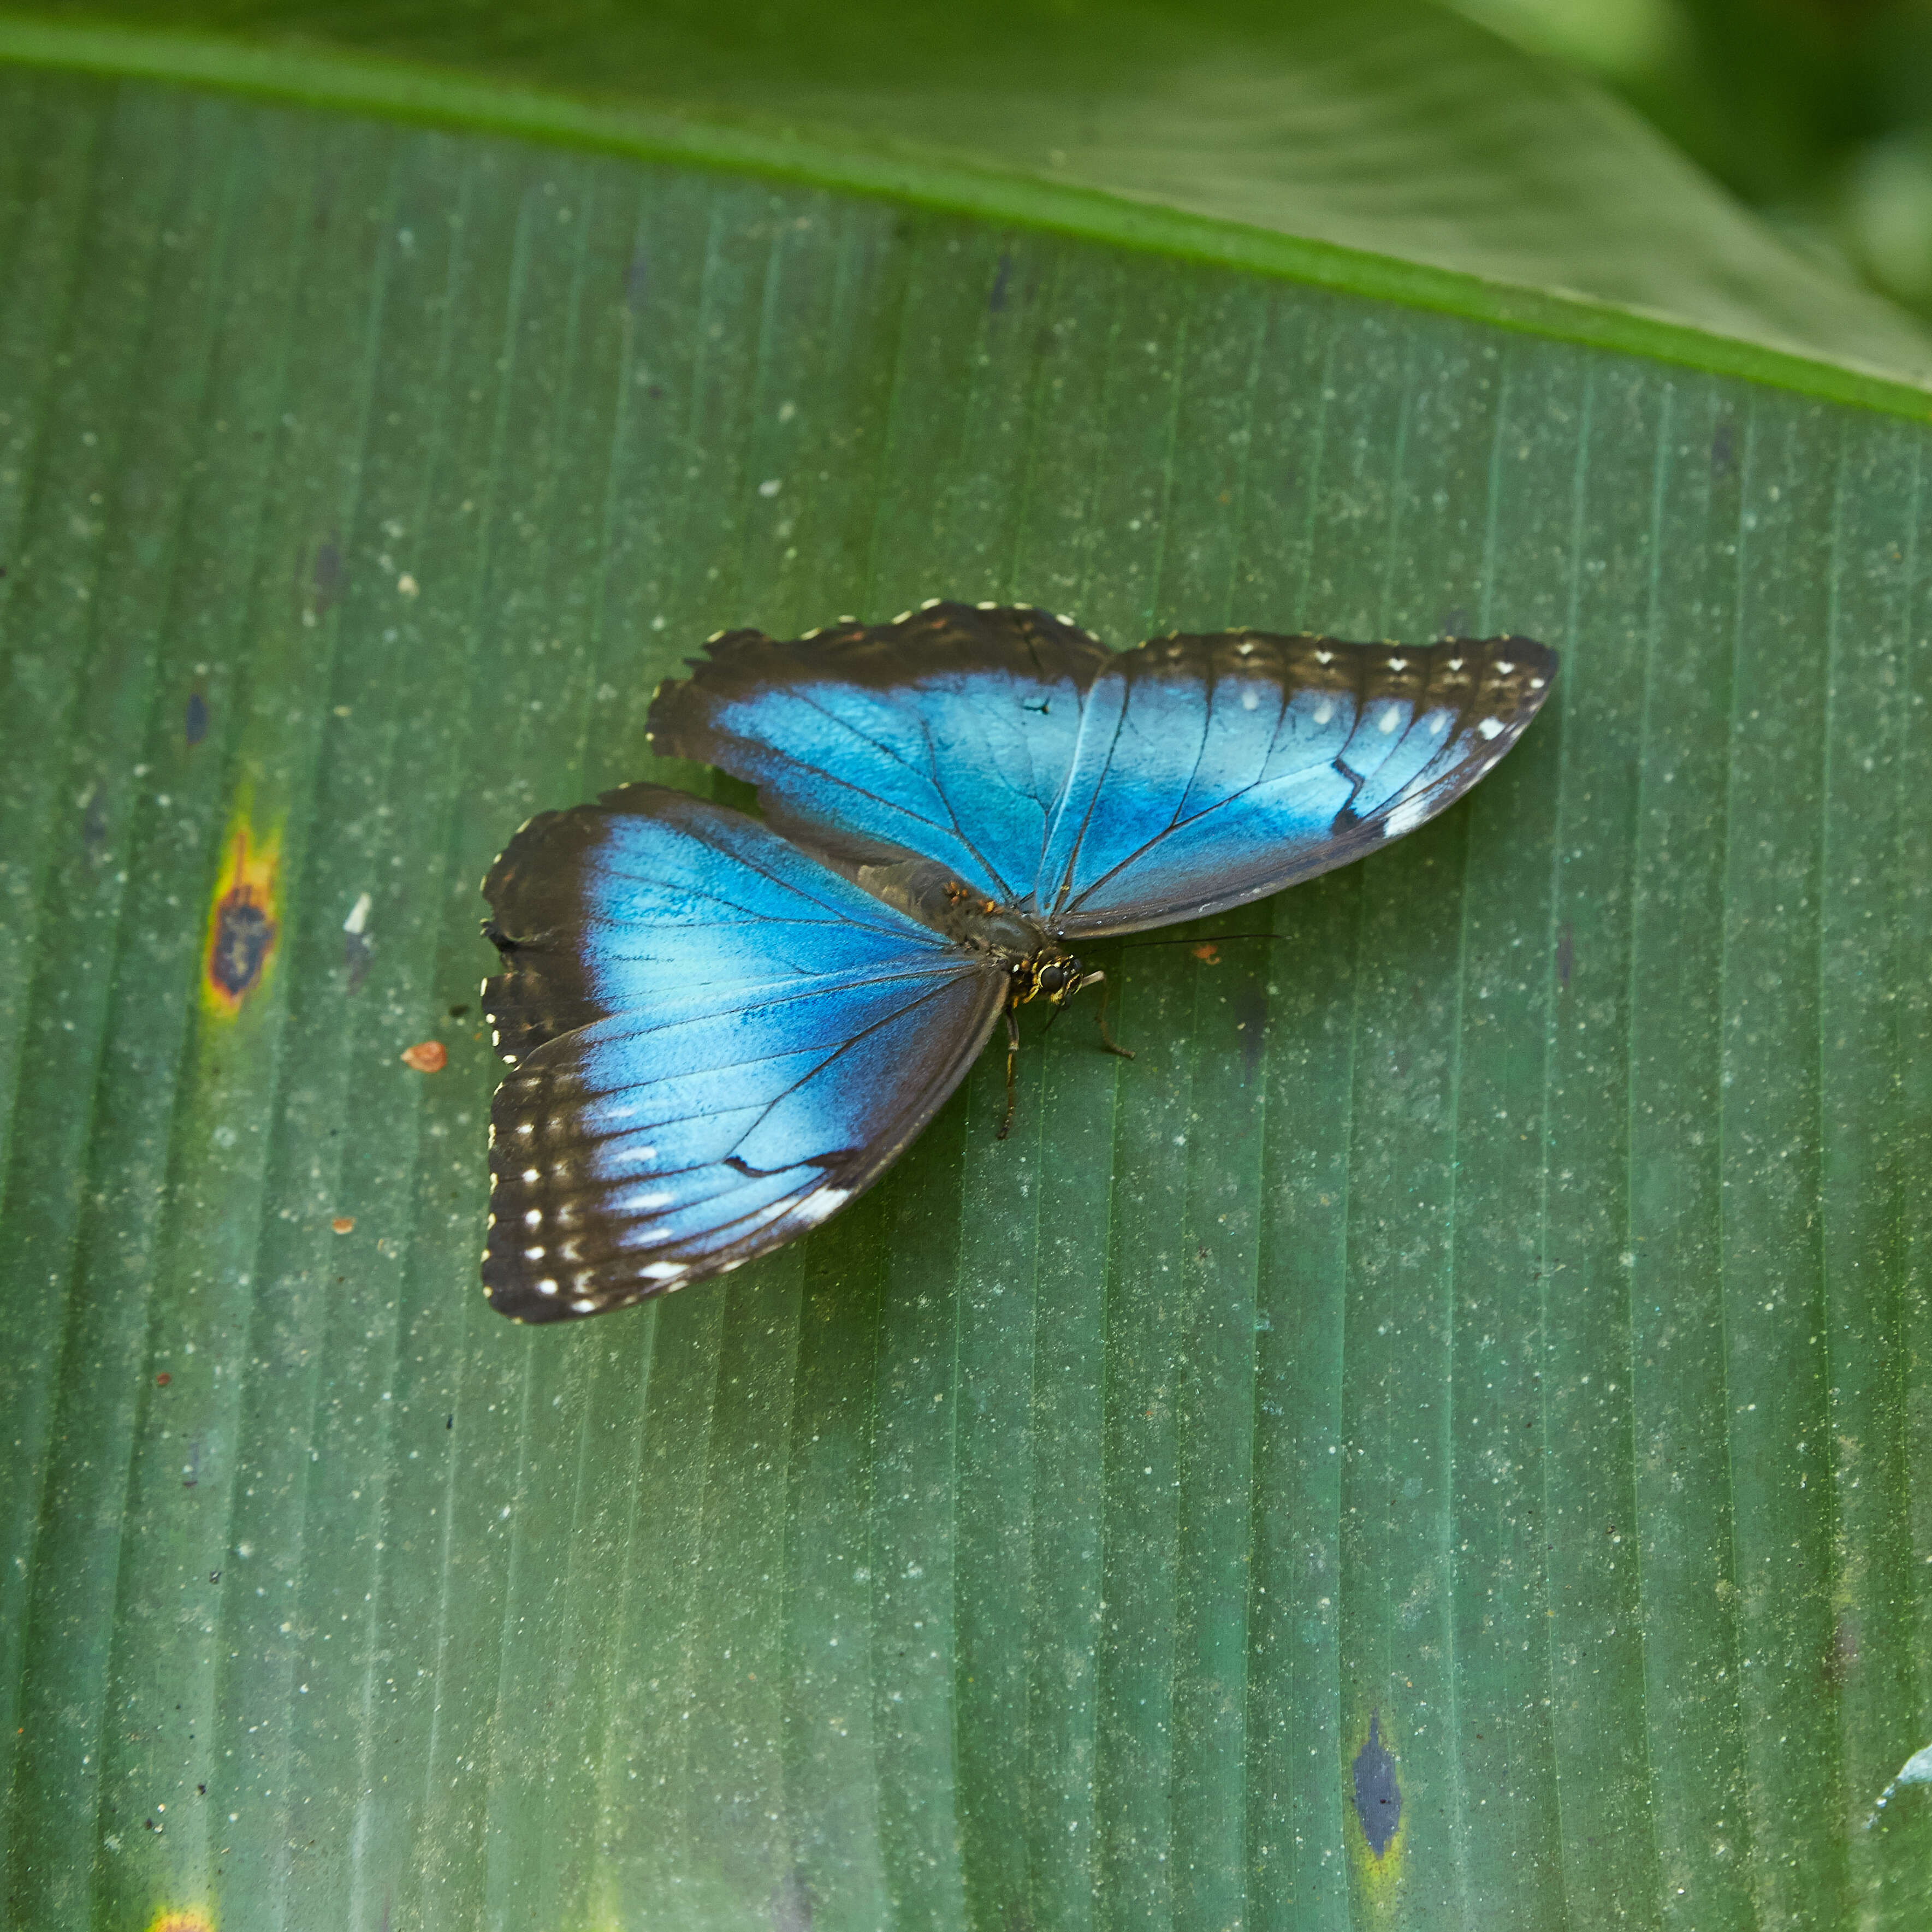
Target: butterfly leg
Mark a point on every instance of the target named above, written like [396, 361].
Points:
[1012, 1060]
[1107, 1039]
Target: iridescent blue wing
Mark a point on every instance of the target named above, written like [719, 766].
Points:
[717, 1042]
[1212, 770]
[1101, 794]
[949, 734]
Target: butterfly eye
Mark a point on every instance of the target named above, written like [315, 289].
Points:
[1058, 978]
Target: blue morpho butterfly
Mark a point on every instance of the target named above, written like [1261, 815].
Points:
[723, 1027]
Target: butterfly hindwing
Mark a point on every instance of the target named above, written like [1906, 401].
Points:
[1214, 769]
[717, 1041]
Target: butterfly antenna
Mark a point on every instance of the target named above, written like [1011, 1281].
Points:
[1012, 1060]
[1107, 1039]
[1212, 939]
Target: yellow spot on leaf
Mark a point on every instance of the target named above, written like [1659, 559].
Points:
[1375, 1829]
[243, 922]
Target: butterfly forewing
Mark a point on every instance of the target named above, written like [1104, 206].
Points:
[1098, 792]
[717, 1042]
[1215, 769]
[948, 734]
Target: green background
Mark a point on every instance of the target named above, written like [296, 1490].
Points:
[1490, 1308]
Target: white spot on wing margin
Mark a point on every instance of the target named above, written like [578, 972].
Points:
[826, 1201]
[1405, 818]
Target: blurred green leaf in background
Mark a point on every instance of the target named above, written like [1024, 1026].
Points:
[1438, 1441]
[1818, 113]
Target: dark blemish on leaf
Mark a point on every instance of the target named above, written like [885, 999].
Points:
[1566, 955]
[93, 821]
[327, 574]
[1002, 275]
[637, 281]
[791, 1903]
[456, 1013]
[449, 1422]
[1842, 1658]
[1724, 450]
[202, 1789]
[1377, 1796]
[1251, 1021]
[244, 935]
[194, 725]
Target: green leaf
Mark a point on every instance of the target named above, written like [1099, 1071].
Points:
[1470, 1358]
[1392, 149]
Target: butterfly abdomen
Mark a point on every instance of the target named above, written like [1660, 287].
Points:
[936, 898]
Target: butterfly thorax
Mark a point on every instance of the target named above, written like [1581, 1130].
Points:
[935, 896]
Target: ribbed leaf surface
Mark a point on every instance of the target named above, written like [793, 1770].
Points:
[1437, 1440]
[1387, 147]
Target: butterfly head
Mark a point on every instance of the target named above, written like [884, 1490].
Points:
[1056, 976]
